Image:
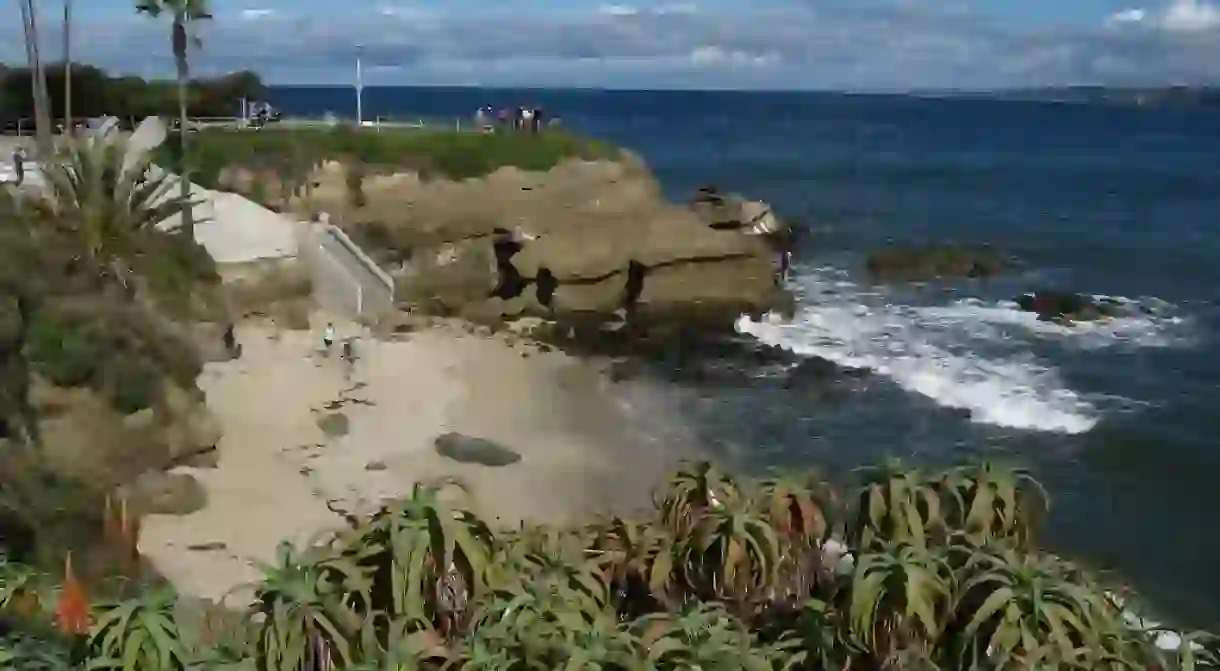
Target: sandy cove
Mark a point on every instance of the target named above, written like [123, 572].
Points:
[278, 470]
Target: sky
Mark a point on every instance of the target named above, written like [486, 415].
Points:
[854, 45]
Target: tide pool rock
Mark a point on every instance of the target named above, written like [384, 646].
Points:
[473, 450]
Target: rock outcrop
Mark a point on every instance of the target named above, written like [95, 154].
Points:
[586, 239]
[85, 437]
[732, 212]
[1066, 307]
[922, 264]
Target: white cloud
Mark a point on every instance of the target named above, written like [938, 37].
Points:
[678, 8]
[1126, 16]
[716, 55]
[1191, 16]
[618, 10]
[256, 14]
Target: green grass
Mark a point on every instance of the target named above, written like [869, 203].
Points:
[451, 155]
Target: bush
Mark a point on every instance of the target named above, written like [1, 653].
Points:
[450, 155]
[65, 348]
[131, 383]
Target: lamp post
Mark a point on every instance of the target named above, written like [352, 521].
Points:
[359, 87]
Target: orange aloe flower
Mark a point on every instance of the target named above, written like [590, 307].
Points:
[72, 611]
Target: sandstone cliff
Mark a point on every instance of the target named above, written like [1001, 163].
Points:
[584, 238]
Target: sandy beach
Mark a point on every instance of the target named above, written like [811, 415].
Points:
[278, 470]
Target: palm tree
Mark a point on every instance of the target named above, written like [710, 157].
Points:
[186, 13]
[42, 112]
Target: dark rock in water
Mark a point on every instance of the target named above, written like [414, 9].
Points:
[920, 264]
[473, 450]
[1060, 306]
[818, 369]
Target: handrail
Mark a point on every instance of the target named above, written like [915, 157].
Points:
[347, 243]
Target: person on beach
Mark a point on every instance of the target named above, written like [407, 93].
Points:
[230, 340]
[527, 120]
[328, 336]
[19, 164]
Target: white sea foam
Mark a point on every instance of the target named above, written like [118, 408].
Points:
[961, 356]
[1159, 329]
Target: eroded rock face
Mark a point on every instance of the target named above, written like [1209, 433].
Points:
[921, 264]
[586, 238]
[730, 211]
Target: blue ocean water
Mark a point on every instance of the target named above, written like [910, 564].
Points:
[1121, 421]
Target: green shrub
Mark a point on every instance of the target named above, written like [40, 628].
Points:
[435, 154]
[131, 383]
[64, 348]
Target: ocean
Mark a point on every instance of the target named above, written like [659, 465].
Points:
[1121, 421]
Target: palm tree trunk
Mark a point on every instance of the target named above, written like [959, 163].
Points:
[184, 74]
[42, 116]
[68, 66]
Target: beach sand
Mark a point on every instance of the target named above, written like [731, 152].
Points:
[278, 469]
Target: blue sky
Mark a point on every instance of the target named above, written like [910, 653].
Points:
[787, 44]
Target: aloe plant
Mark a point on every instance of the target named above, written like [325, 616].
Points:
[730, 555]
[694, 487]
[897, 504]
[1031, 608]
[427, 558]
[137, 635]
[995, 503]
[18, 585]
[25, 652]
[707, 637]
[901, 595]
[303, 611]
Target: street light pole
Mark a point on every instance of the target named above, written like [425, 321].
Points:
[68, 68]
[359, 88]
